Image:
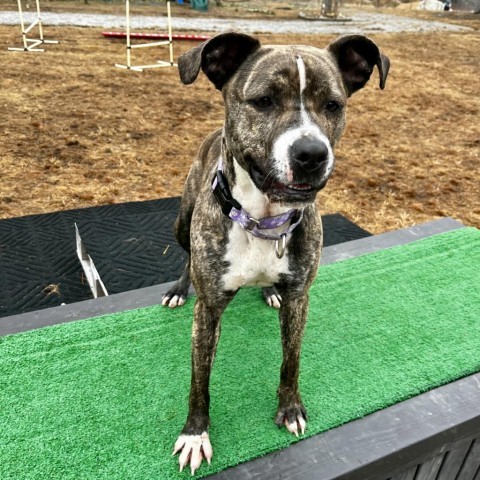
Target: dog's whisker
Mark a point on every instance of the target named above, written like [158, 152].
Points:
[271, 172]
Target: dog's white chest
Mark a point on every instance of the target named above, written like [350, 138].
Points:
[253, 261]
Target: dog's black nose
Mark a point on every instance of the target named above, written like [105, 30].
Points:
[309, 153]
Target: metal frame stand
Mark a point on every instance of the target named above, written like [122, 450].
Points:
[30, 44]
[169, 42]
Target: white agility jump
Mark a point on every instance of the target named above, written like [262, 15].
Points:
[169, 42]
[30, 44]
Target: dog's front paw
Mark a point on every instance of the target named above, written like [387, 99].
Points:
[293, 417]
[272, 297]
[193, 448]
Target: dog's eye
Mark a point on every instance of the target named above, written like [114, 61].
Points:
[262, 103]
[333, 106]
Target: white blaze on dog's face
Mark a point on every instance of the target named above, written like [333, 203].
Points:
[285, 111]
[307, 131]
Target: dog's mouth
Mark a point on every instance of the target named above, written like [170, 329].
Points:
[277, 191]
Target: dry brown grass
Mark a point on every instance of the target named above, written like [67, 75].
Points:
[78, 132]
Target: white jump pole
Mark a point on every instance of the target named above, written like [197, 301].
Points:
[34, 42]
[169, 42]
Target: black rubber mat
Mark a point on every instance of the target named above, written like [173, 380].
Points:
[132, 245]
[338, 229]
[134, 251]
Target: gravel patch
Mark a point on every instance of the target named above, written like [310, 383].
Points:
[360, 23]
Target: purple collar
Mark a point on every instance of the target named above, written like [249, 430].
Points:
[232, 209]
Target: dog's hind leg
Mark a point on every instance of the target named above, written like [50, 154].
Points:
[177, 295]
[272, 297]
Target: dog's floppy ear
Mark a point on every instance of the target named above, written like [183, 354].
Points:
[356, 56]
[219, 58]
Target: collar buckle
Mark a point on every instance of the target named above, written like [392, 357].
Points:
[222, 193]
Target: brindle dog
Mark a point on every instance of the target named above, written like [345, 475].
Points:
[248, 214]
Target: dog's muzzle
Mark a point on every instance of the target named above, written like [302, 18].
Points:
[299, 191]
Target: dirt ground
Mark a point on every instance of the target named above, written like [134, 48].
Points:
[78, 132]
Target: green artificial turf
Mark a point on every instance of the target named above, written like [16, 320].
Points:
[106, 398]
